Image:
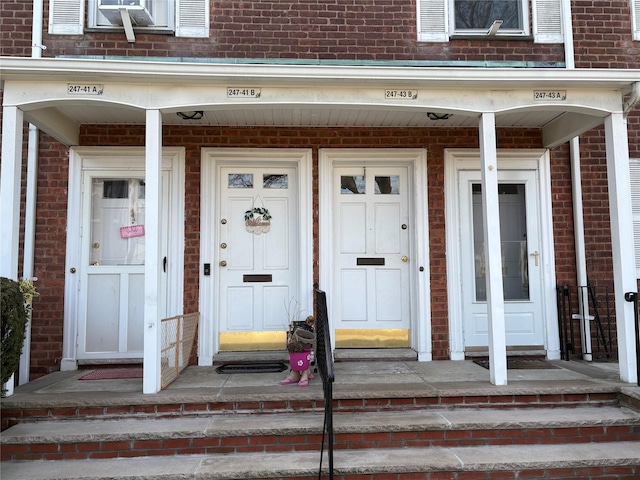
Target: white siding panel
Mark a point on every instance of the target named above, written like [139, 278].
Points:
[192, 18]
[432, 21]
[547, 21]
[66, 17]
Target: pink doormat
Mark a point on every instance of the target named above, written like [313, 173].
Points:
[113, 374]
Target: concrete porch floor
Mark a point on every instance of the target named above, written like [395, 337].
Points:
[392, 374]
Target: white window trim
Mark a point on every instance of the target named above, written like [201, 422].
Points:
[634, 177]
[502, 32]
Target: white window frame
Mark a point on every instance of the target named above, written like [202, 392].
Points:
[634, 177]
[163, 12]
[502, 32]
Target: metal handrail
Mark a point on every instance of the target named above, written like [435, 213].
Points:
[633, 297]
[324, 357]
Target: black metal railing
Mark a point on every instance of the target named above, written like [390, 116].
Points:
[597, 306]
[633, 297]
[324, 362]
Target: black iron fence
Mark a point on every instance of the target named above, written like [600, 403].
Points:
[324, 361]
[587, 322]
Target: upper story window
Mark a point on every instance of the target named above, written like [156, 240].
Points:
[489, 17]
[150, 14]
[187, 18]
[440, 20]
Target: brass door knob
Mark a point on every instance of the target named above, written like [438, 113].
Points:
[223, 263]
[405, 259]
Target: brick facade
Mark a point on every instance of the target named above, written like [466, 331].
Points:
[315, 30]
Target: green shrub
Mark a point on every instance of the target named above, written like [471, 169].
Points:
[13, 322]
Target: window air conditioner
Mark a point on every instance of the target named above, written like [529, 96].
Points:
[140, 11]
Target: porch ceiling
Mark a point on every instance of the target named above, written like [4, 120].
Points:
[308, 116]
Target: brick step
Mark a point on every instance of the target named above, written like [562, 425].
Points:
[614, 460]
[241, 433]
[67, 407]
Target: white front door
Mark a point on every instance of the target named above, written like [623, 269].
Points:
[258, 254]
[371, 239]
[521, 258]
[111, 309]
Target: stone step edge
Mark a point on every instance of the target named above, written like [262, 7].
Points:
[246, 466]
[76, 431]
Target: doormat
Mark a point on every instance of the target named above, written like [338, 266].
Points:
[252, 368]
[113, 374]
[515, 363]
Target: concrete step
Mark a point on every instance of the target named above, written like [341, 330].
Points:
[240, 433]
[614, 460]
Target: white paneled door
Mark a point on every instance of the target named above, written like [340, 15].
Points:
[371, 248]
[257, 250]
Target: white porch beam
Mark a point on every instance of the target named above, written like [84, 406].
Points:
[493, 250]
[53, 123]
[10, 175]
[566, 127]
[624, 272]
[152, 320]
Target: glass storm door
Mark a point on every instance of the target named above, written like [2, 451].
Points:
[257, 266]
[521, 271]
[371, 243]
[113, 247]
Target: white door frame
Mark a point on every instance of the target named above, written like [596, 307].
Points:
[212, 160]
[419, 280]
[516, 159]
[118, 159]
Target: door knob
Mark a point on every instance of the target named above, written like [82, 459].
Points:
[223, 263]
[405, 259]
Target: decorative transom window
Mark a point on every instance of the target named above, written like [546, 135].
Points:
[490, 17]
[440, 20]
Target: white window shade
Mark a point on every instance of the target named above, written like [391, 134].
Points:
[634, 175]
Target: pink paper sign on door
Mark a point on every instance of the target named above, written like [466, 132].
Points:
[132, 231]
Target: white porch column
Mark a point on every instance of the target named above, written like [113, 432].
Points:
[10, 175]
[152, 330]
[493, 250]
[624, 273]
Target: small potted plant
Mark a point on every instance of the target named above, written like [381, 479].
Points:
[300, 343]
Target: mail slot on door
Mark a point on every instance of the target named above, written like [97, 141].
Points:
[369, 261]
[257, 278]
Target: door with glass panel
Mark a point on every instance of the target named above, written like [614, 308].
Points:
[371, 228]
[520, 253]
[257, 256]
[111, 310]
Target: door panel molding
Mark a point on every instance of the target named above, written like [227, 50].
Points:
[457, 160]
